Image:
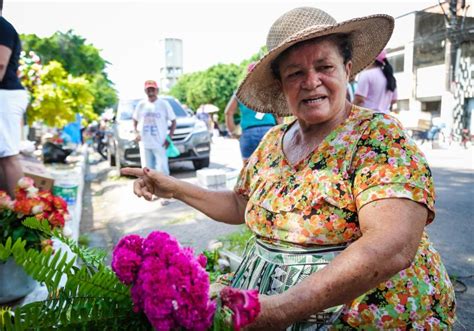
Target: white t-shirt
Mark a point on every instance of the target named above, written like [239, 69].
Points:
[152, 118]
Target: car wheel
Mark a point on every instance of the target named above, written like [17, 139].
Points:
[201, 163]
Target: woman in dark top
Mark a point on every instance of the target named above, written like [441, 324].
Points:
[13, 102]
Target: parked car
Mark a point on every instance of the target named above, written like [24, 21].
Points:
[191, 137]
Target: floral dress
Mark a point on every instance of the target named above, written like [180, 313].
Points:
[315, 202]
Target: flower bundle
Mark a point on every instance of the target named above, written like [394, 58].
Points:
[171, 286]
[30, 202]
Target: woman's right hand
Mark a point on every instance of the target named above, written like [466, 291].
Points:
[149, 183]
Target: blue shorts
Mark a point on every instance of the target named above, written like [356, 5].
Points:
[250, 139]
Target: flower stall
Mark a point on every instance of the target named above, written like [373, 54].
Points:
[154, 283]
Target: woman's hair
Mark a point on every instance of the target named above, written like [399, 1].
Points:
[342, 41]
[388, 73]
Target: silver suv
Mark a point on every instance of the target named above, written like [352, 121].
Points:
[191, 137]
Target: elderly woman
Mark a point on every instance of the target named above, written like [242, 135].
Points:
[338, 199]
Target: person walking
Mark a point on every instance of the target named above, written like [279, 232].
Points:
[254, 124]
[13, 103]
[376, 86]
[150, 121]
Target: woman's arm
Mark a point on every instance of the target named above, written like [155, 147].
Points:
[5, 54]
[222, 206]
[358, 100]
[230, 110]
[391, 233]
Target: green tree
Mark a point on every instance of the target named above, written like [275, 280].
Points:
[56, 95]
[79, 59]
[214, 85]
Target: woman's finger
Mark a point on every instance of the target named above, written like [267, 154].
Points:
[136, 172]
[138, 187]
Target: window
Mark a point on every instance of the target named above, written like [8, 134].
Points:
[403, 104]
[397, 62]
[433, 107]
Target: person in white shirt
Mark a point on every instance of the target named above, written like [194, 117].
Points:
[150, 120]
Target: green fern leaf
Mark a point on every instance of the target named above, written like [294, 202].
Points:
[80, 313]
[6, 250]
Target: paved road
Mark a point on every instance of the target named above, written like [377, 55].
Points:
[453, 229]
[111, 211]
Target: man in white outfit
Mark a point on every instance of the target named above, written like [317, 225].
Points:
[150, 120]
[13, 103]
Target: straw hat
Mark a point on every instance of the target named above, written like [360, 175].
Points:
[261, 91]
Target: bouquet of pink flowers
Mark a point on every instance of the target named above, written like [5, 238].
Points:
[171, 286]
[30, 202]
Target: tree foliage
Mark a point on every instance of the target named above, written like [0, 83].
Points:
[79, 59]
[214, 85]
[56, 96]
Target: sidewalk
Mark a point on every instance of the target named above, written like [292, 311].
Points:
[453, 157]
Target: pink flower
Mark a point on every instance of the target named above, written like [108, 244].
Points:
[126, 264]
[5, 201]
[127, 258]
[25, 183]
[202, 259]
[131, 242]
[244, 305]
[169, 284]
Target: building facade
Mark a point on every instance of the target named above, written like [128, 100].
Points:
[430, 82]
[171, 62]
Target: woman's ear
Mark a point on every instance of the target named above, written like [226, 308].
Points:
[348, 68]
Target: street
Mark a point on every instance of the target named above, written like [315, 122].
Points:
[111, 211]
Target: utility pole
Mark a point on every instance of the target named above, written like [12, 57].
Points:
[452, 43]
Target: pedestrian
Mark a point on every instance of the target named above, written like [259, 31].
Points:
[206, 118]
[338, 199]
[13, 103]
[150, 121]
[254, 125]
[376, 86]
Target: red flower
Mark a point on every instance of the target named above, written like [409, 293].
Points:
[20, 194]
[59, 203]
[56, 219]
[46, 198]
[244, 305]
[23, 207]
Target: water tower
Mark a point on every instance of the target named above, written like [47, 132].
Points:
[171, 62]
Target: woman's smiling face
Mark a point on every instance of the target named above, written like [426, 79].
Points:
[314, 78]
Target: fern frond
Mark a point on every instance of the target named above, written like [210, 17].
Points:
[77, 313]
[42, 267]
[6, 250]
[79, 281]
[92, 257]
[103, 283]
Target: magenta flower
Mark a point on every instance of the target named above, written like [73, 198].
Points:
[132, 242]
[169, 284]
[127, 258]
[126, 264]
[244, 305]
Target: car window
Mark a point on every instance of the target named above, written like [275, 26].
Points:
[177, 108]
[125, 109]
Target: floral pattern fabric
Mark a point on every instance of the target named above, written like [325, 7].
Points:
[315, 202]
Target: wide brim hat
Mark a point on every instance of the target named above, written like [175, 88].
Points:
[261, 90]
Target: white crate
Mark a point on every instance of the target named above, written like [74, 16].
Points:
[211, 177]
